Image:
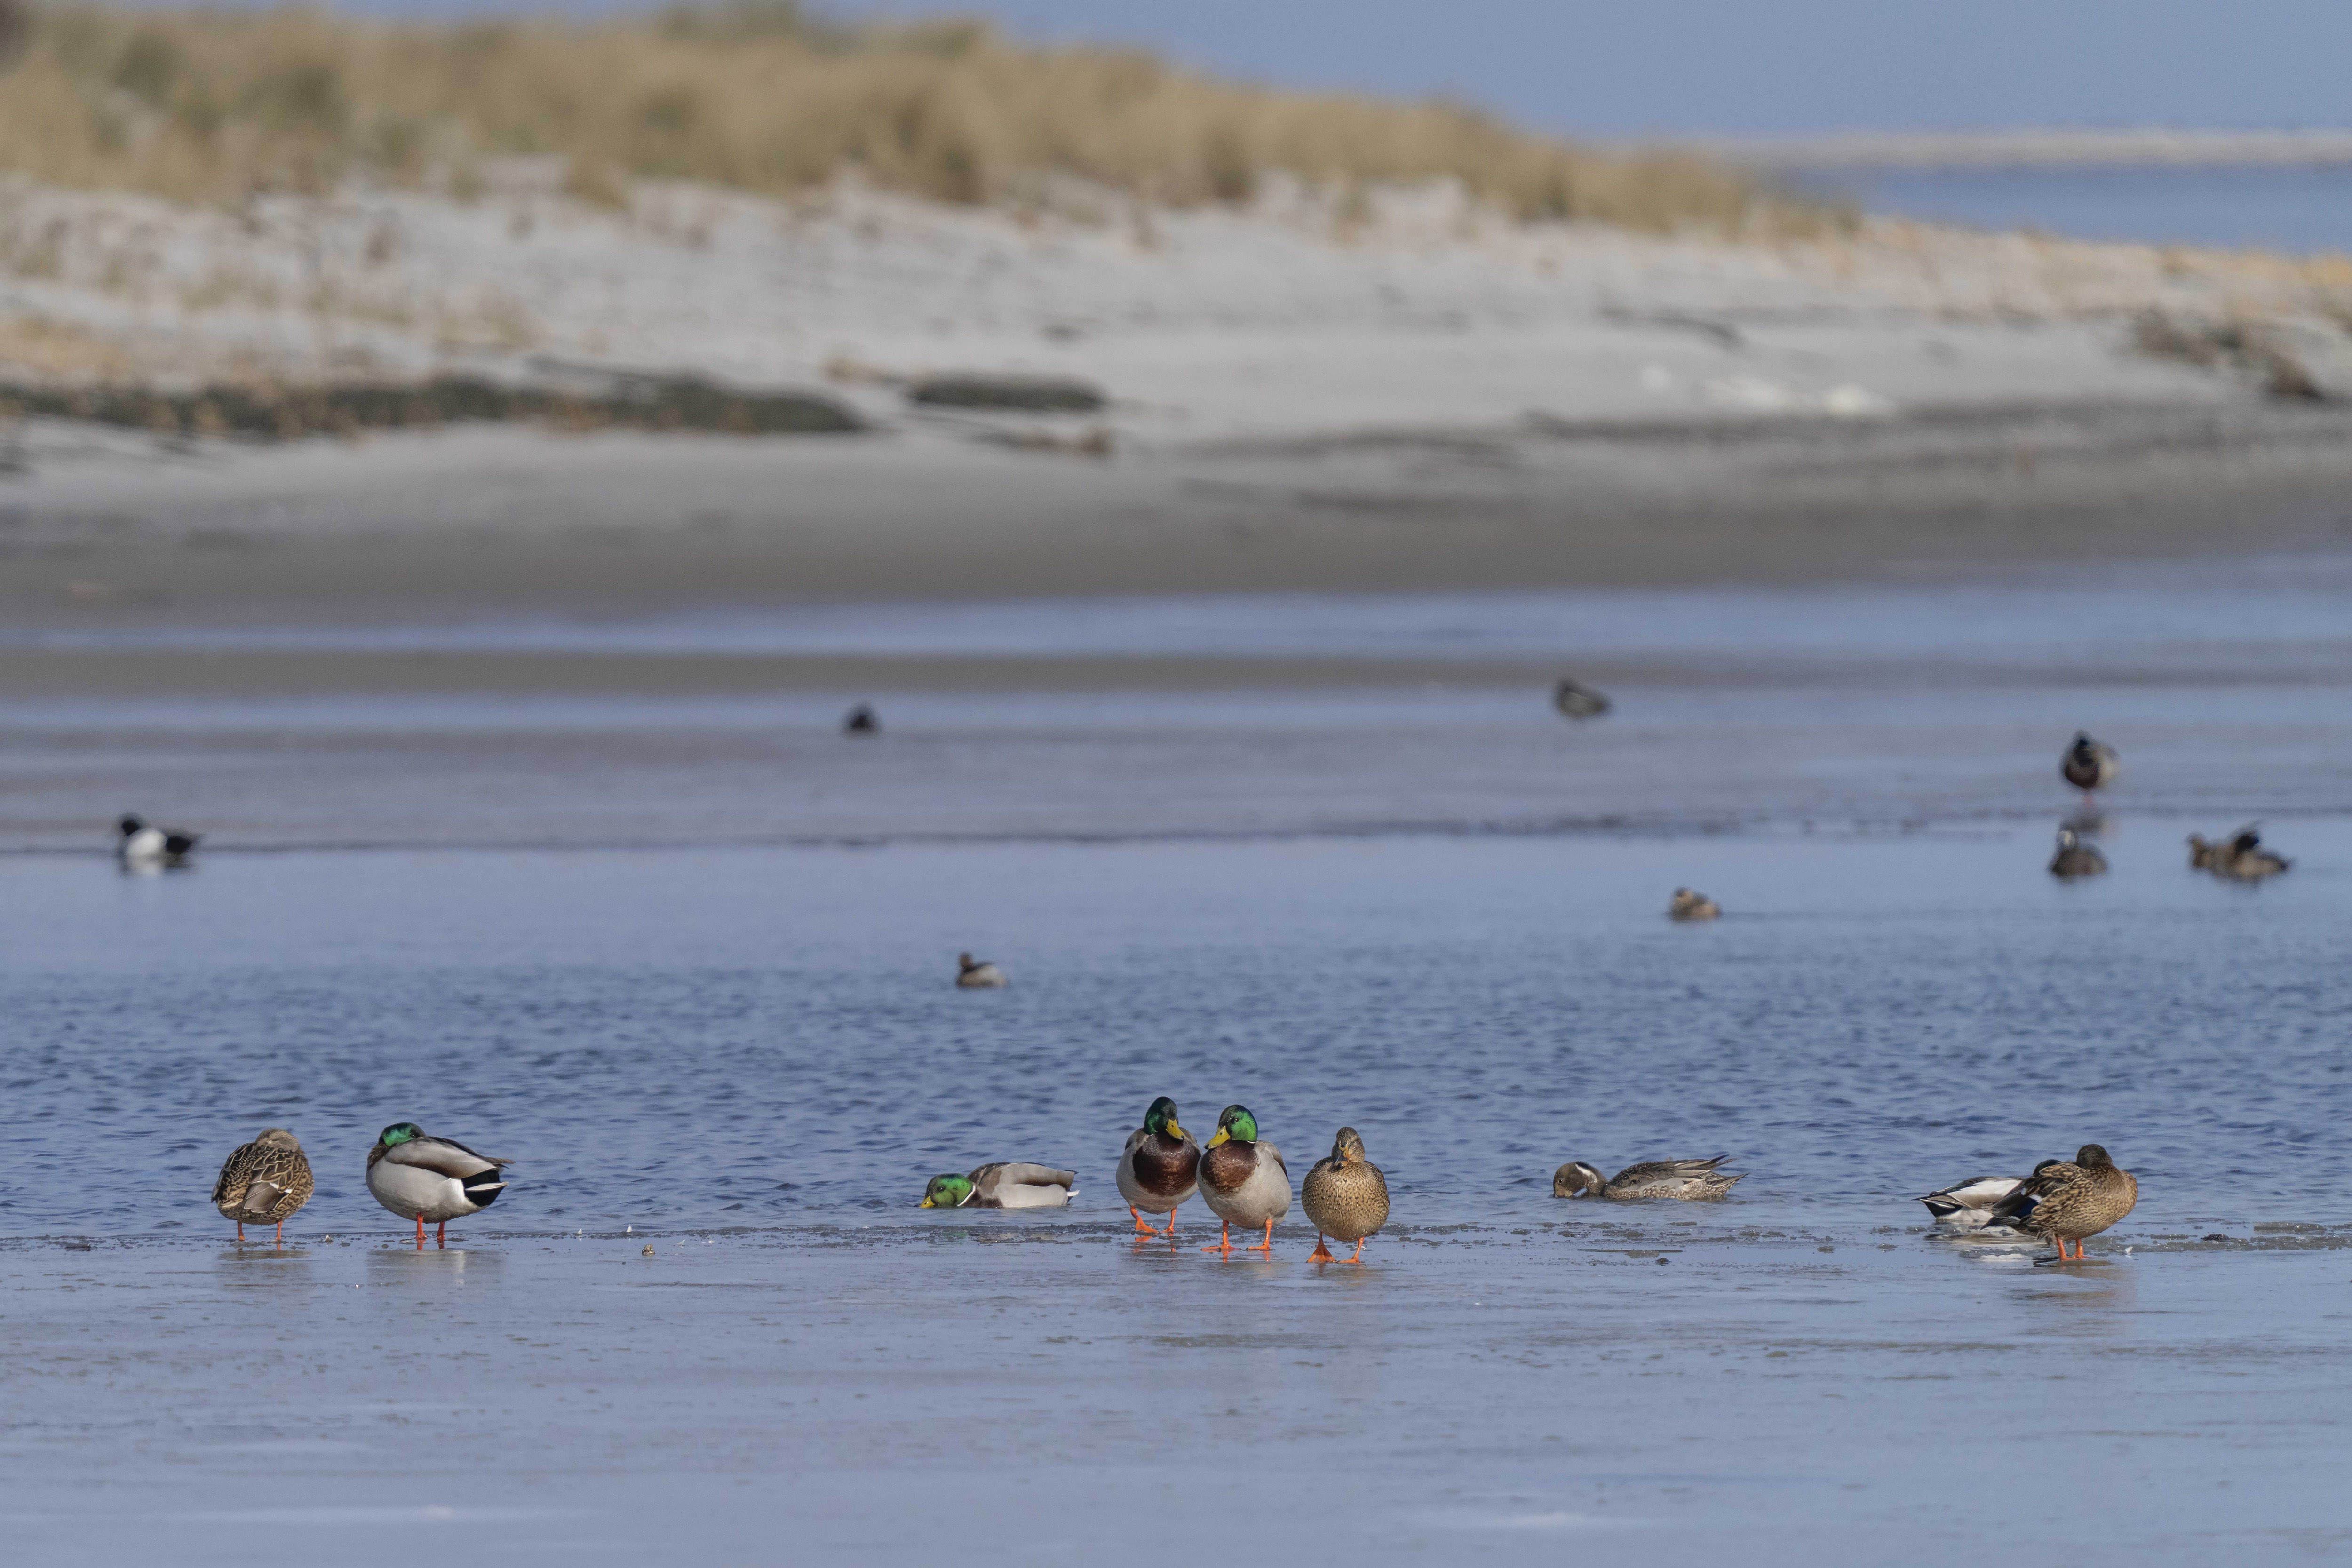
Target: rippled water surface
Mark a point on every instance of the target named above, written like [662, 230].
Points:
[759, 1036]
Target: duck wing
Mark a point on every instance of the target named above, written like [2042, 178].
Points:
[443, 1157]
[1028, 1176]
[2048, 1180]
[1665, 1171]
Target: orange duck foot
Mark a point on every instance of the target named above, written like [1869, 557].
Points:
[1224, 1240]
[1322, 1253]
[1267, 1246]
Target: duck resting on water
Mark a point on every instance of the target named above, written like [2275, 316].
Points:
[1686, 905]
[977, 974]
[1690, 1181]
[1010, 1184]
[2240, 858]
[2076, 858]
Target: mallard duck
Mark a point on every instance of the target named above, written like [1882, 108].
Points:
[2064, 1202]
[862, 720]
[1242, 1180]
[1576, 701]
[264, 1181]
[977, 974]
[1686, 905]
[2089, 766]
[1344, 1196]
[422, 1178]
[1160, 1167]
[2076, 858]
[1969, 1204]
[2241, 859]
[1692, 1180]
[1009, 1185]
[140, 847]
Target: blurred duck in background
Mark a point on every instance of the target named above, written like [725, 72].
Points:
[1576, 701]
[2089, 766]
[977, 974]
[2076, 858]
[139, 847]
[2241, 857]
[1686, 905]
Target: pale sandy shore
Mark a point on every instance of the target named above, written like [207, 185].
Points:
[1426, 398]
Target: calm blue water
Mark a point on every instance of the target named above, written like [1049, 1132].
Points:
[768, 1037]
[2291, 209]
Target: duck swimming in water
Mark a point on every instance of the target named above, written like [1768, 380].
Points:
[2076, 858]
[977, 974]
[1686, 905]
[143, 848]
[2240, 858]
[1576, 700]
[1690, 1181]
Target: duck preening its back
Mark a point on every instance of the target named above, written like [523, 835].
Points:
[2241, 857]
[1012, 1184]
[424, 1178]
[264, 1182]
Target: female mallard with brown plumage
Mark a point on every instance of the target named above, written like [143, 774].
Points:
[1346, 1195]
[1686, 905]
[1690, 1181]
[1242, 1180]
[264, 1182]
[2064, 1202]
[1160, 1167]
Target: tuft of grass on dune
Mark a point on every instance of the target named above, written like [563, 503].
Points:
[757, 95]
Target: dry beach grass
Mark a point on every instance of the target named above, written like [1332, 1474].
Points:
[210, 106]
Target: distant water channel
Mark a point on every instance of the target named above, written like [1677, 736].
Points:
[2296, 208]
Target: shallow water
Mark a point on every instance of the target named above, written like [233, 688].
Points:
[751, 1060]
[749, 1056]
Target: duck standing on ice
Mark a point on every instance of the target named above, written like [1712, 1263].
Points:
[422, 1178]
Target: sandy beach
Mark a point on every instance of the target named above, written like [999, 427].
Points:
[1426, 398]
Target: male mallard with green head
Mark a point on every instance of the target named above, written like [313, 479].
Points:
[264, 1182]
[1344, 1196]
[1242, 1180]
[1690, 1181]
[1160, 1167]
[2064, 1201]
[422, 1178]
[1009, 1185]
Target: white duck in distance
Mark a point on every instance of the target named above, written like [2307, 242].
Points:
[977, 974]
[143, 848]
[2089, 766]
[422, 1178]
